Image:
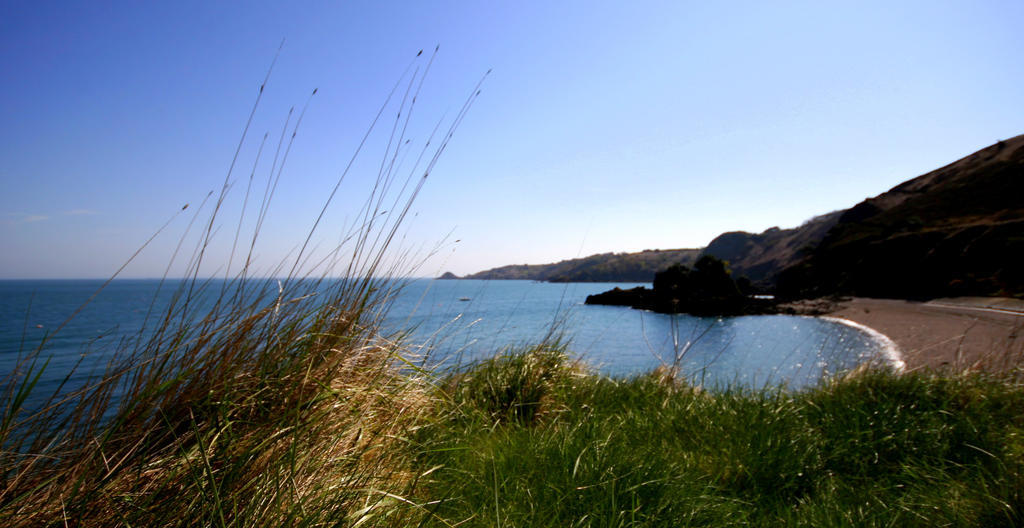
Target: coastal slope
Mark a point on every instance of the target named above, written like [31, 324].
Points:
[761, 256]
[955, 231]
[605, 267]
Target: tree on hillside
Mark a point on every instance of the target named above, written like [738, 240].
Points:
[707, 288]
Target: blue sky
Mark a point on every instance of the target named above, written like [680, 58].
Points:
[604, 126]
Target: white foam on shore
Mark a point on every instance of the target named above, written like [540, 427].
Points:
[890, 350]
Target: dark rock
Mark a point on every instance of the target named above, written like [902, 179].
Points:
[705, 290]
[635, 297]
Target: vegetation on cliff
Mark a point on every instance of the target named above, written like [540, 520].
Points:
[605, 267]
[761, 256]
[958, 230]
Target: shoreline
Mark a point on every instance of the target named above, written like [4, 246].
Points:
[967, 333]
[890, 350]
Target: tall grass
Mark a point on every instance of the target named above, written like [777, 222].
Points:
[873, 449]
[250, 400]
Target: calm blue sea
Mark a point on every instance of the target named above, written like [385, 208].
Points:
[479, 318]
[459, 321]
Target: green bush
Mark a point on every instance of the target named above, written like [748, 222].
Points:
[518, 385]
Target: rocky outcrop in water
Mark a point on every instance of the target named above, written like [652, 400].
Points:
[707, 289]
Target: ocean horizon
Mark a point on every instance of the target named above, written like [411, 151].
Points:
[446, 323]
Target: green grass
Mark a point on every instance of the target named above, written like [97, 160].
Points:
[872, 450]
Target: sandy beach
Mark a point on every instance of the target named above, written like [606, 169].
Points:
[957, 333]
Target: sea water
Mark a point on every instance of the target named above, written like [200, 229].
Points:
[456, 322]
[478, 319]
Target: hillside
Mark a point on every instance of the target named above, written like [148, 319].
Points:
[604, 267]
[761, 256]
[958, 230]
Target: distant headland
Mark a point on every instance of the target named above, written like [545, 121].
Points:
[955, 231]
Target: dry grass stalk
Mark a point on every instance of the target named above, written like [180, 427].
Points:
[244, 401]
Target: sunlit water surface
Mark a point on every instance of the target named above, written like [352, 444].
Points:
[480, 318]
[457, 322]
